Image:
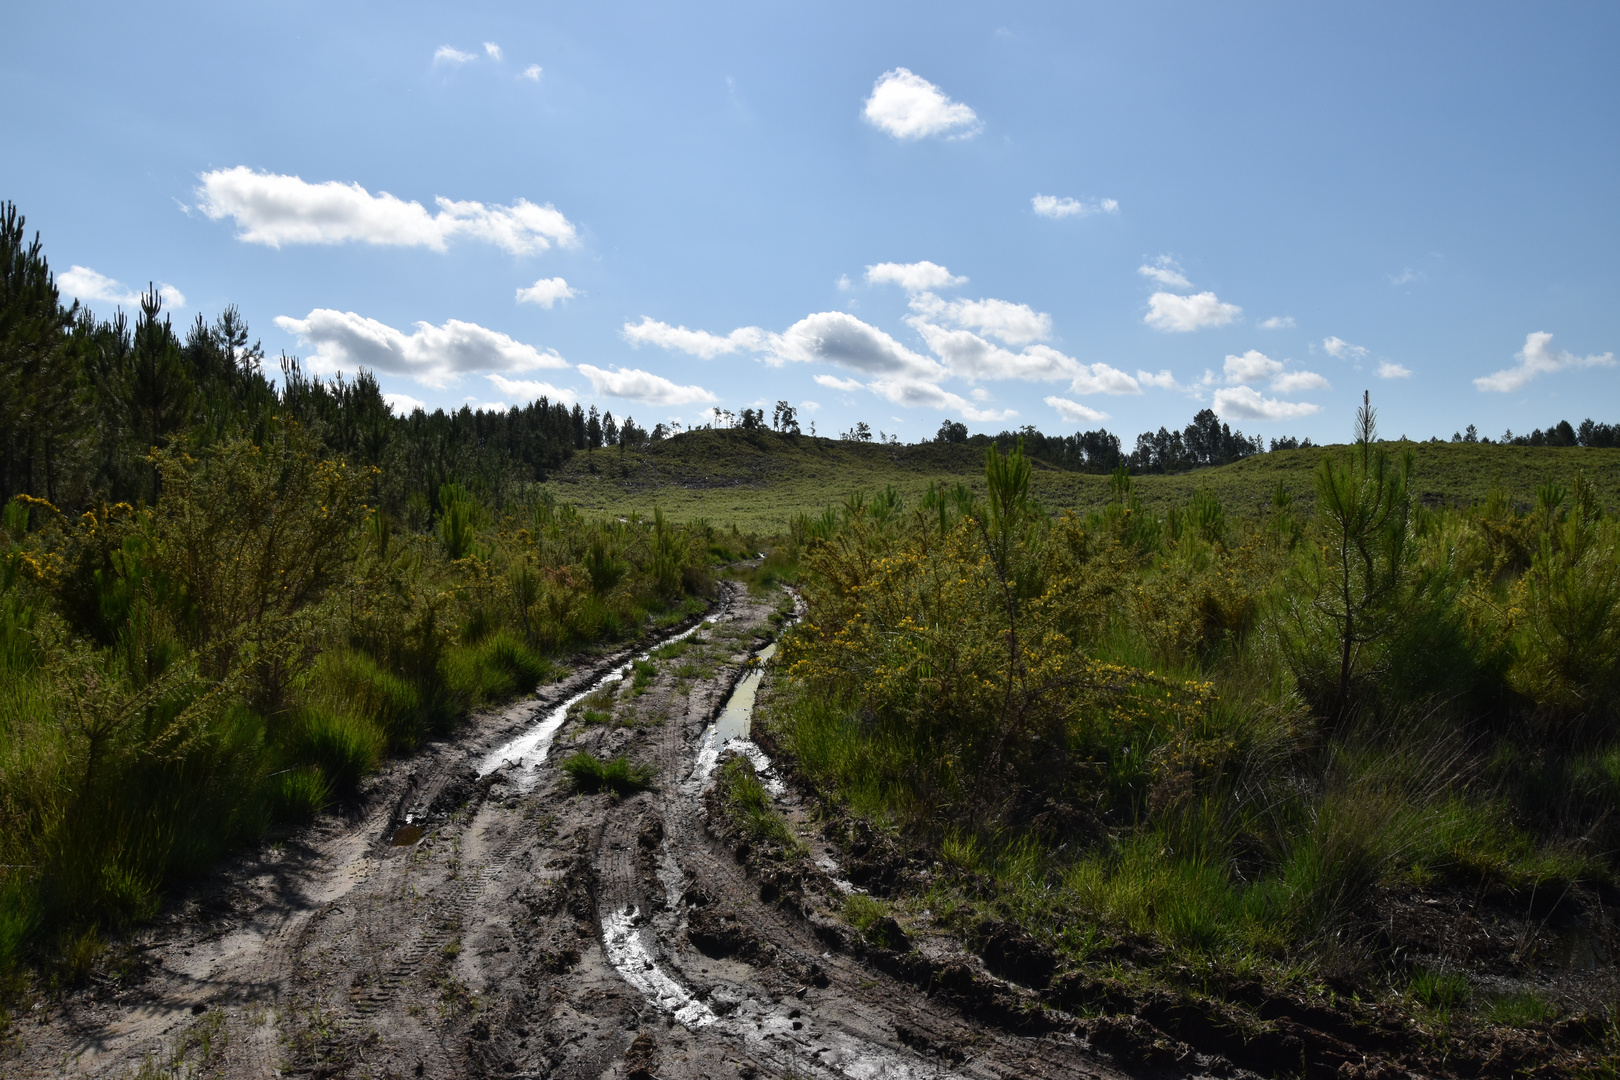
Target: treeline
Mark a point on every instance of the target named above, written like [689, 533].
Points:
[83, 399]
[1204, 442]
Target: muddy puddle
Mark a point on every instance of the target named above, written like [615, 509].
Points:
[527, 752]
[731, 730]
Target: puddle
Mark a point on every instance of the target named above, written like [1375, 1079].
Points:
[634, 962]
[528, 751]
[732, 728]
[406, 835]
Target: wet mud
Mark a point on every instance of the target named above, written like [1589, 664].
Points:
[473, 915]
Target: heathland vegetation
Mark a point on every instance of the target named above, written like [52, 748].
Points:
[223, 600]
[1210, 750]
[1202, 715]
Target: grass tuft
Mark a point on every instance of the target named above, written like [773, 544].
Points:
[590, 774]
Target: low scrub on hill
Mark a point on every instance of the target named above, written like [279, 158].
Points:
[1244, 743]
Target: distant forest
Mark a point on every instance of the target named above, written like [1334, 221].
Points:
[83, 399]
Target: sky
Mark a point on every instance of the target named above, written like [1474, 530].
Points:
[1062, 215]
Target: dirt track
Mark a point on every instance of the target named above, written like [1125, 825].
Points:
[489, 946]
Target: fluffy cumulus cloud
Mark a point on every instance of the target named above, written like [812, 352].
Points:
[1182, 314]
[1278, 322]
[1340, 349]
[1165, 271]
[1053, 207]
[85, 284]
[546, 292]
[447, 54]
[1016, 324]
[970, 356]
[840, 339]
[1163, 380]
[1252, 366]
[650, 331]
[833, 382]
[1388, 369]
[643, 386]
[1538, 358]
[532, 389]
[273, 209]
[1297, 382]
[908, 106]
[1074, 412]
[434, 355]
[493, 50]
[913, 277]
[1246, 403]
[533, 72]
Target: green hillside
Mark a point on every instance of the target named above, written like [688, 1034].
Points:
[759, 479]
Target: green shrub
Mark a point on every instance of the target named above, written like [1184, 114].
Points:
[298, 794]
[345, 747]
[749, 805]
[353, 682]
[1440, 991]
[618, 776]
[1518, 1010]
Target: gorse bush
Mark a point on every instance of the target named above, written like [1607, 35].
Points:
[177, 678]
[1232, 735]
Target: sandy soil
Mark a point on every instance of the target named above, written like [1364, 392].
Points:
[532, 931]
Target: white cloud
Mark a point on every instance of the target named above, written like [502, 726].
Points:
[1252, 366]
[1340, 349]
[533, 72]
[970, 356]
[531, 389]
[1163, 380]
[918, 393]
[403, 404]
[1388, 369]
[643, 386]
[843, 283]
[1102, 379]
[1169, 312]
[810, 406]
[696, 342]
[1278, 322]
[908, 106]
[487, 406]
[449, 55]
[833, 382]
[1245, 403]
[836, 337]
[1074, 412]
[546, 292]
[433, 355]
[85, 284]
[493, 50]
[272, 209]
[1297, 382]
[1165, 271]
[1536, 358]
[913, 277]
[1053, 207]
[1016, 324]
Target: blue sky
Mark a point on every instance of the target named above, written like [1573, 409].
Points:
[1064, 215]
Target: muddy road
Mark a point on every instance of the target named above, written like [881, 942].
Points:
[475, 916]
